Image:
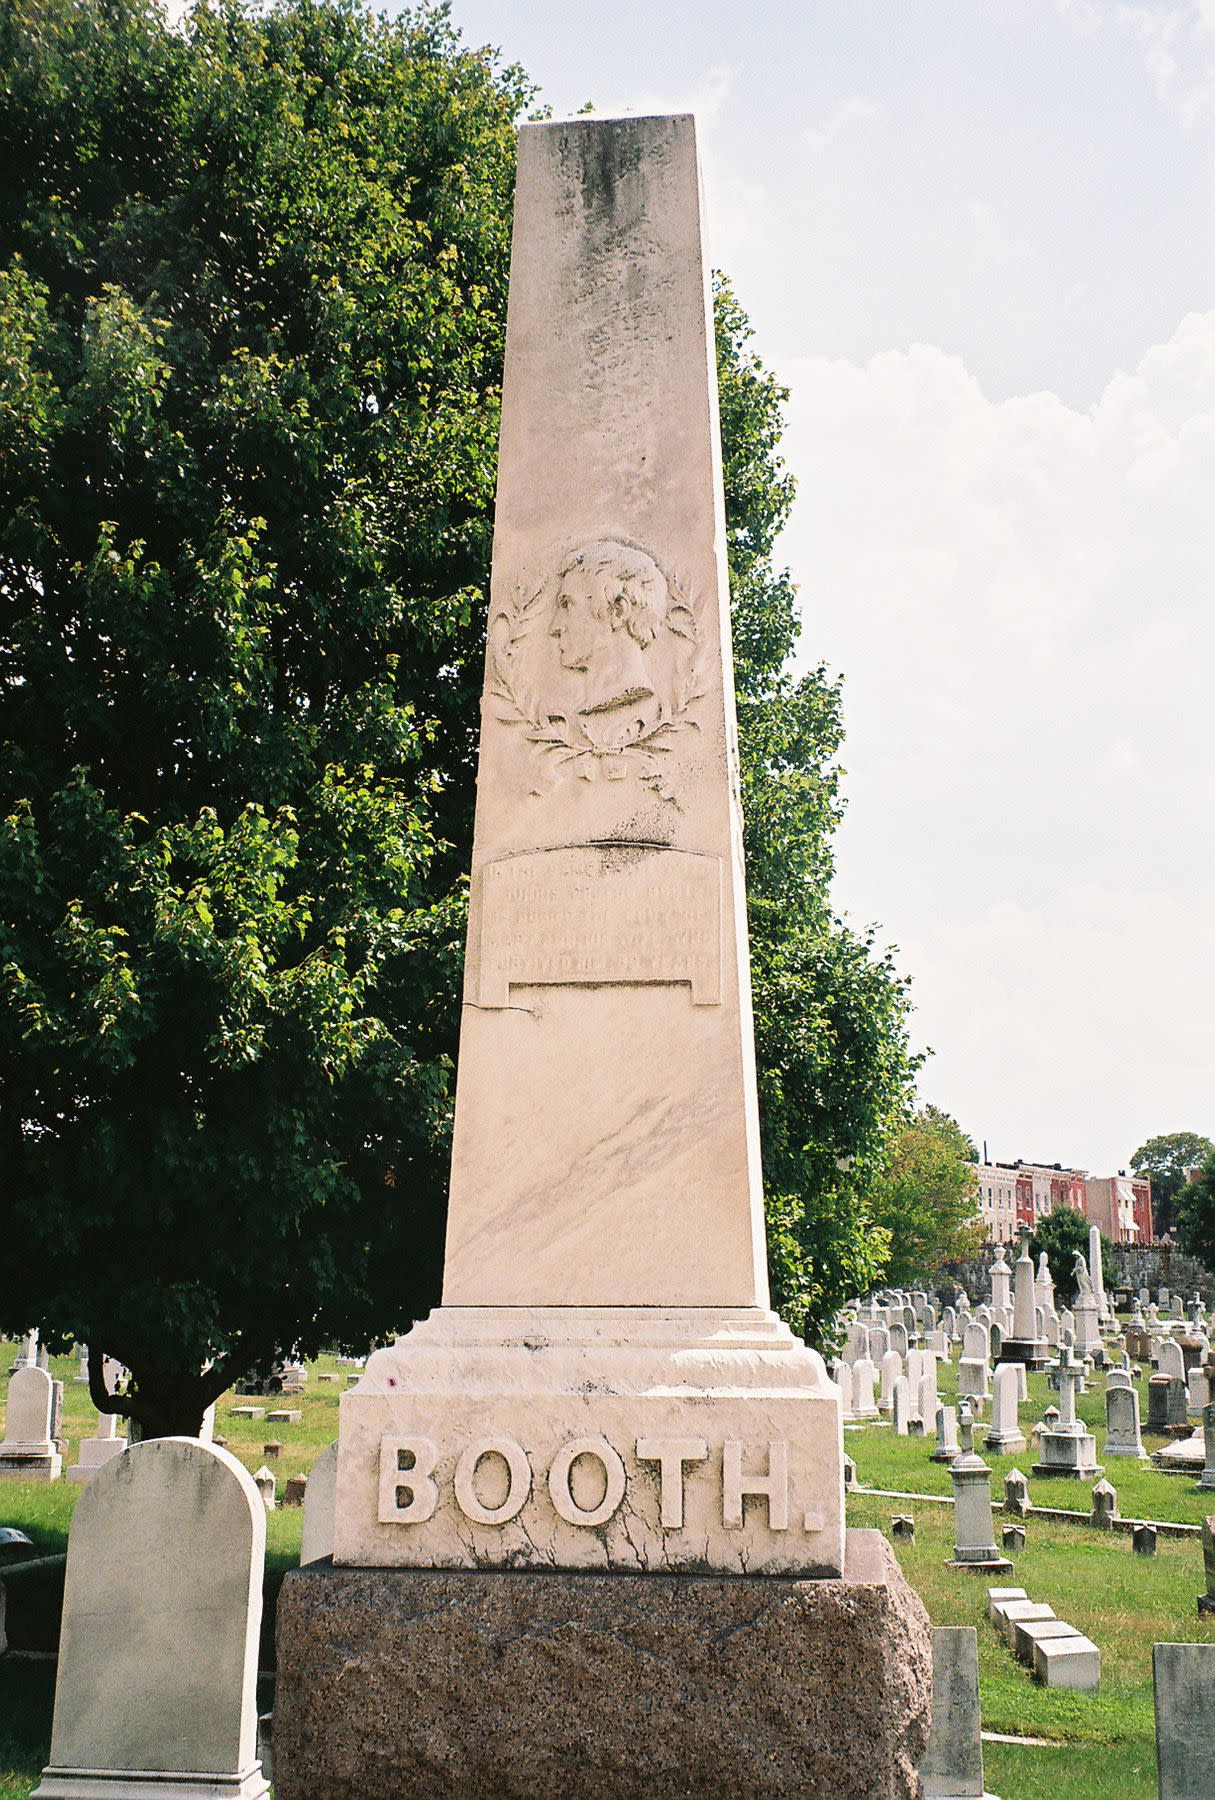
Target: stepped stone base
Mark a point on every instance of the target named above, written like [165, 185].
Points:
[504, 1685]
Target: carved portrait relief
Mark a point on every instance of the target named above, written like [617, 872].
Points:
[596, 662]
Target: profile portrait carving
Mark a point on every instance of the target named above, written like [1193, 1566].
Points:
[597, 662]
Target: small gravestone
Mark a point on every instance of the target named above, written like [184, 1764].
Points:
[1184, 1680]
[1207, 1478]
[263, 1481]
[98, 1450]
[284, 1415]
[248, 1412]
[1012, 1538]
[295, 1490]
[1105, 1506]
[1016, 1494]
[1143, 1540]
[1068, 1662]
[952, 1768]
[1122, 1422]
[947, 1434]
[157, 1676]
[849, 1474]
[272, 1449]
[864, 1405]
[903, 1526]
[1005, 1435]
[1206, 1602]
[28, 1451]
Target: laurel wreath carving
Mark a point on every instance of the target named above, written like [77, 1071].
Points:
[562, 738]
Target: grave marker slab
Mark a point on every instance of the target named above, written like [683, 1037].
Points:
[155, 1693]
[952, 1768]
[1184, 1680]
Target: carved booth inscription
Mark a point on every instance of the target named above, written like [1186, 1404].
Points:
[604, 913]
[494, 1478]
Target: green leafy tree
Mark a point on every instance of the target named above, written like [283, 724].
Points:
[1061, 1234]
[1194, 1211]
[1166, 1159]
[927, 1196]
[252, 289]
[252, 294]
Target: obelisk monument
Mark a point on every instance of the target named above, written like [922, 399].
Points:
[605, 1279]
[604, 1392]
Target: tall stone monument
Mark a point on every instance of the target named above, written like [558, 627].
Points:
[604, 1387]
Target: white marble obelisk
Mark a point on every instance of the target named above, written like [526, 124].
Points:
[604, 1385]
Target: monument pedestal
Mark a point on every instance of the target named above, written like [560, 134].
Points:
[504, 1685]
[653, 1439]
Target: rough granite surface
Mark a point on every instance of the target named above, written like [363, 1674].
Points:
[518, 1685]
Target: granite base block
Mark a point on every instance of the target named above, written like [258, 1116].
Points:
[506, 1685]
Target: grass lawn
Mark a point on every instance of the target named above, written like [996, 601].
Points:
[1102, 1744]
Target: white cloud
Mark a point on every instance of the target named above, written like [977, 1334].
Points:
[1022, 597]
[1177, 42]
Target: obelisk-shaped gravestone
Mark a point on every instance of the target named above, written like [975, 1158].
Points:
[603, 1388]
[603, 1385]
[606, 1146]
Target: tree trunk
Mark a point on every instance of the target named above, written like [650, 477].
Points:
[161, 1402]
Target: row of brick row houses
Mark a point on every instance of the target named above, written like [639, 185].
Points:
[1013, 1196]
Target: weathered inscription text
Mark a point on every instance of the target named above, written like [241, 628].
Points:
[600, 913]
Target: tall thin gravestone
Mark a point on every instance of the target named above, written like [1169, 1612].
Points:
[604, 1387]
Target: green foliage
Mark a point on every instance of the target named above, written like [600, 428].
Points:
[1166, 1159]
[252, 291]
[1061, 1234]
[252, 296]
[830, 1010]
[1194, 1209]
[927, 1196]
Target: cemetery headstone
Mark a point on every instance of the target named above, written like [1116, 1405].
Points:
[864, 1400]
[98, 1450]
[1207, 1478]
[1104, 1508]
[1016, 1494]
[974, 1524]
[1122, 1422]
[1206, 1602]
[1143, 1539]
[28, 1451]
[156, 1686]
[1067, 1448]
[947, 1434]
[1184, 1679]
[892, 1369]
[604, 1389]
[952, 1768]
[1005, 1435]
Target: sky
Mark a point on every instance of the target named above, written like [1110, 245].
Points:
[976, 239]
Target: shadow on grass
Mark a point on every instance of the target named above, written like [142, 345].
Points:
[27, 1697]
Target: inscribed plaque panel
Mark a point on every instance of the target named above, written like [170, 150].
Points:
[601, 914]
